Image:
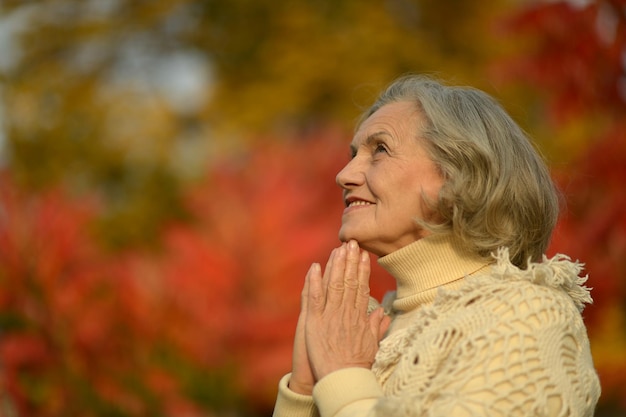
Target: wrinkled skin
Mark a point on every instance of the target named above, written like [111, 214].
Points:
[334, 330]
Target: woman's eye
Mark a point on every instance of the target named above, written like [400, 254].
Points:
[380, 148]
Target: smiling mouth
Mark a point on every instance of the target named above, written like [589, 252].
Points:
[359, 203]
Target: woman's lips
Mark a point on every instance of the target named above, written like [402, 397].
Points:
[356, 205]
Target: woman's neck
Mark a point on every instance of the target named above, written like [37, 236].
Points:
[426, 265]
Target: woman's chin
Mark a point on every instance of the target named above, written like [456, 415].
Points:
[364, 245]
[346, 235]
[343, 236]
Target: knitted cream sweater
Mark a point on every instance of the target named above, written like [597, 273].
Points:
[468, 339]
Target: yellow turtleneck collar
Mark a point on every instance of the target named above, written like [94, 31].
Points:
[422, 267]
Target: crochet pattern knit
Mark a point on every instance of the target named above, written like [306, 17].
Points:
[470, 338]
[510, 343]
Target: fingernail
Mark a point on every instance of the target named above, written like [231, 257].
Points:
[365, 256]
[352, 245]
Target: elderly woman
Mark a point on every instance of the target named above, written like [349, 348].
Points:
[449, 194]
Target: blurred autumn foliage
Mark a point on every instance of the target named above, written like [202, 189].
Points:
[169, 176]
[203, 323]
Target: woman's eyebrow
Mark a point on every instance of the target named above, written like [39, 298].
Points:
[374, 137]
[369, 140]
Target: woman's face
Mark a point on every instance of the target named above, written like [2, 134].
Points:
[385, 182]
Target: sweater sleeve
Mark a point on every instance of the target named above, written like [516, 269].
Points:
[347, 392]
[292, 404]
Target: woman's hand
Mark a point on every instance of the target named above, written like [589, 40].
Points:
[338, 331]
[302, 379]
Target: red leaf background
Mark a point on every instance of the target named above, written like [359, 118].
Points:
[216, 306]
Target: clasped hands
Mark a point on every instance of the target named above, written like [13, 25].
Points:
[334, 330]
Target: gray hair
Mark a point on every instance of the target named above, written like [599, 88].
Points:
[498, 191]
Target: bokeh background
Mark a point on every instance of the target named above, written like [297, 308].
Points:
[167, 176]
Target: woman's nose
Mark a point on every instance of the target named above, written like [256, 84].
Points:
[351, 175]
